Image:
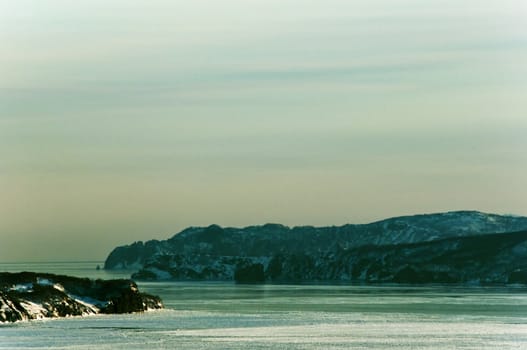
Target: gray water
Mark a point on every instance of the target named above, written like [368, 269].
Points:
[229, 316]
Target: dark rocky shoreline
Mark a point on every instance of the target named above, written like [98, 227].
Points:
[30, 295]
[464, 247]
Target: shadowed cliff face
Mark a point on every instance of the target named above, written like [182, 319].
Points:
[28, 295]
[485, 259]
[454, 247]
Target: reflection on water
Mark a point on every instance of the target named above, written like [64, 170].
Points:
[230, 316]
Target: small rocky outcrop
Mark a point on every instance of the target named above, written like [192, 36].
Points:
[29, 295]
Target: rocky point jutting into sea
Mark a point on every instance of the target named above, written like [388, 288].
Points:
[466, 247]
[29, 295]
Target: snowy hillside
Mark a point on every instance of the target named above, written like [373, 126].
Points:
[215, 253]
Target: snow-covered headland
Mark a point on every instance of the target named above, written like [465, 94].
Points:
[466, 247]
[29, 295]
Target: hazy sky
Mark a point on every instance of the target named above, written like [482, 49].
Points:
[125, 120]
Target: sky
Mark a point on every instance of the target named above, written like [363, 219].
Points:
[125, 120]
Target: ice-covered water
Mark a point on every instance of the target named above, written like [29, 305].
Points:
[229, 316]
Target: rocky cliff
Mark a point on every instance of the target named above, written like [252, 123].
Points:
[446, 247]
[28, 295]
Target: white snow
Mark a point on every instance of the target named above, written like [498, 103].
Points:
[25, 287]
[44, 281]
[5, 305]
[58, 286]
[89, 303]
[35, 310]
[159, 305]
[47, 282]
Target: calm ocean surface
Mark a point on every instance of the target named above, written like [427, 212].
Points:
[229, 316]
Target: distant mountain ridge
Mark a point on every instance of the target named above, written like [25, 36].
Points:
[272, 251]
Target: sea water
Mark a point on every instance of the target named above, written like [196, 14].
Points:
[203, 315]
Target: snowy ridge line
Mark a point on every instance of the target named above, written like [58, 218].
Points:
[389, 250]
